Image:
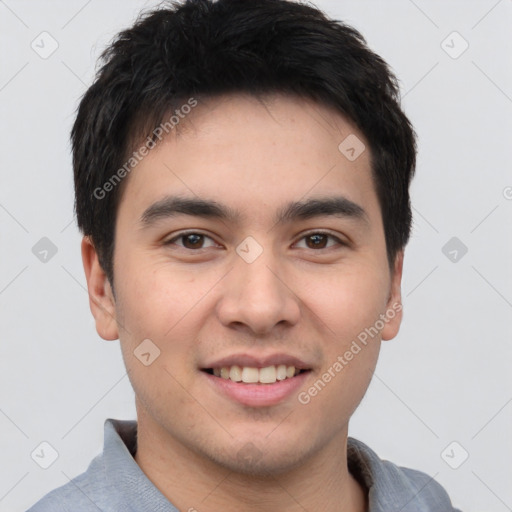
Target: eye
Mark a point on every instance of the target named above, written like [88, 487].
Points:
[319, 240]
[191, 240]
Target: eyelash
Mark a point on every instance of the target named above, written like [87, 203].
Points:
[185, 233]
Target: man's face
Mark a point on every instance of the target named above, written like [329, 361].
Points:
[256, 290]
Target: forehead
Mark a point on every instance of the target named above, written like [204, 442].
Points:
[241, 151]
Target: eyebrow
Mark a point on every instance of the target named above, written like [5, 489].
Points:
[171, 206]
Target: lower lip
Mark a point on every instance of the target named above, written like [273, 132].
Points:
[257, 395]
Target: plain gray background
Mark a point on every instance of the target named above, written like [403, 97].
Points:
[445, 378]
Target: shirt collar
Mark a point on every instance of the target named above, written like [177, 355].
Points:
[134, 489]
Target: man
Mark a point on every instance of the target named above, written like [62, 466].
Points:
[241, 178]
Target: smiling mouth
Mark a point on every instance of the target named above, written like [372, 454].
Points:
[251, 375]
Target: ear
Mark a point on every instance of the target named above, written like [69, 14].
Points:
[393, 313]
[101, 298]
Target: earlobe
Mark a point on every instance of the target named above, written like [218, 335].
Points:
[394, 307]
[101, 298]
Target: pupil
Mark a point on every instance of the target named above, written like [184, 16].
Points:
[318, 240]
[193, 239]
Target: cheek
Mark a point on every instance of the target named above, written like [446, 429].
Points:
[347, 300]
[156, 296]
[155, 310]
[157, 344]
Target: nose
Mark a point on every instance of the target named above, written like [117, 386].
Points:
[257, 298]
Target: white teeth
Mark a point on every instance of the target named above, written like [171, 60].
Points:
[268, 375]
[281, 372]
[235, 373]
[250, 375]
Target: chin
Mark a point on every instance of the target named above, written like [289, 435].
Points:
[261, 459]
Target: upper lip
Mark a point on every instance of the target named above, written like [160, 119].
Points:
[258, 361]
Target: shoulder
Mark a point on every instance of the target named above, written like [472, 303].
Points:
[71, 497]
[390, 485]
[98, 487]
[86, 492]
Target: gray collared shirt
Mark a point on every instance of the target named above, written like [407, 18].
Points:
[114, 482]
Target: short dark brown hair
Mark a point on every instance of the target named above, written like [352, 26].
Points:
[202, 48]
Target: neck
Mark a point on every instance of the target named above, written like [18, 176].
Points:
[194, 483]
